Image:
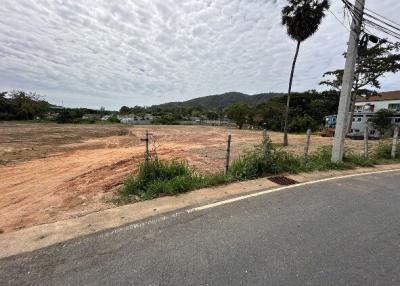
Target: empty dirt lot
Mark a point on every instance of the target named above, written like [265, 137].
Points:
[50, 172]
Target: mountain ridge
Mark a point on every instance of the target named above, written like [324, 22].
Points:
[221, 101]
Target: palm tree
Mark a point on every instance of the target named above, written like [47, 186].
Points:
[302, 19]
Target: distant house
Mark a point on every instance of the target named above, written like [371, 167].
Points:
[91, 116]
[127, 120]
[148, 116]
[131, 116]
[132, 119]
[195, 119]
[51, 115]
[365, 109]
[385, 100]
[106, 117]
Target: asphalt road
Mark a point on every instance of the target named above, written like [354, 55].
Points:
[342, 232]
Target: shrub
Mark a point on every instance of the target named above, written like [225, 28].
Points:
[384, 151]
[264, 160]
[157, 178]
[321, 161]
[114, 119]
[250, 166]
[382, 120]
[359, 160]
[255, 164]
[85, 121]
[280, 161]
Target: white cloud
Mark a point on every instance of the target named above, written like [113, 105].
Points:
[144, 52]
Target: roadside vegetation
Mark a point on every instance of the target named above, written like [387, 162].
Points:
[157, 178]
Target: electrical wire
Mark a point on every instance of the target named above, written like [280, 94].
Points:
[339, 20]
[393, 22]
[357, 13]
[371, 21]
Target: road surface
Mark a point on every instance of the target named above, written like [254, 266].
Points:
[342, 232]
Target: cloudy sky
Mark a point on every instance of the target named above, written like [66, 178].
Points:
[142, 52]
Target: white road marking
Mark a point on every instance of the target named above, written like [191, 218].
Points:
[80, 240]
[261, 193]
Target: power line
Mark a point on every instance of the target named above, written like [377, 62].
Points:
[389, 29]
[383, 29]
[389, 25]
[393, 22]
[339, 20]
[358, 14]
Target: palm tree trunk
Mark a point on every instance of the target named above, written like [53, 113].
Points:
[285, 129]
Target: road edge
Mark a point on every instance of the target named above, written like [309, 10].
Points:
[41, 236]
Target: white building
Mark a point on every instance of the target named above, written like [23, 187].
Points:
[106, 117]
[148, 116]
[365, 108]
[385, 100]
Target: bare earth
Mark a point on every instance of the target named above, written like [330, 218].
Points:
[50, 172]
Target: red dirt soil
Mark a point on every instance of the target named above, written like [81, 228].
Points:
[51, 172]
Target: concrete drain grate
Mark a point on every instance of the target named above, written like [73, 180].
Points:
[283, 181]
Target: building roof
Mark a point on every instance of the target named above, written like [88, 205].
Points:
[383, 96]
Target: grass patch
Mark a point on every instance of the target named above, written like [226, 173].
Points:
[358, 160]
[384, 151]
[275, 160]
[156, 178]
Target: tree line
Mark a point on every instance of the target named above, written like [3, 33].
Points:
[307, 110]
[20, 105]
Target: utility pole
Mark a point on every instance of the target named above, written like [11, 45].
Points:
[347, 85]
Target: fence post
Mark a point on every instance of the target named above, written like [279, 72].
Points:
[146, 152]
[307, 146]
[228, 154]
[265, 134]
[366, 134]
[395, 141]
[265, 143]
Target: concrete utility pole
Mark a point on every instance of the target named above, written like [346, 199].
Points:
[347, 85]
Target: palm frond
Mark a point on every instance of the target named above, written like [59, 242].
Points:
[303, 17]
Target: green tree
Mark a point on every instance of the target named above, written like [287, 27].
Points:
[64, 116]
[272, 114]
[302, 19]
[124, 110]
[26, 105]
[239, 113]
[372, 64]
[212, 115]
[102, 110]
[114, 119]
[382, 120]
[307, 110]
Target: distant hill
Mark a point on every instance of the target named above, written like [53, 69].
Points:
[222, 100]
